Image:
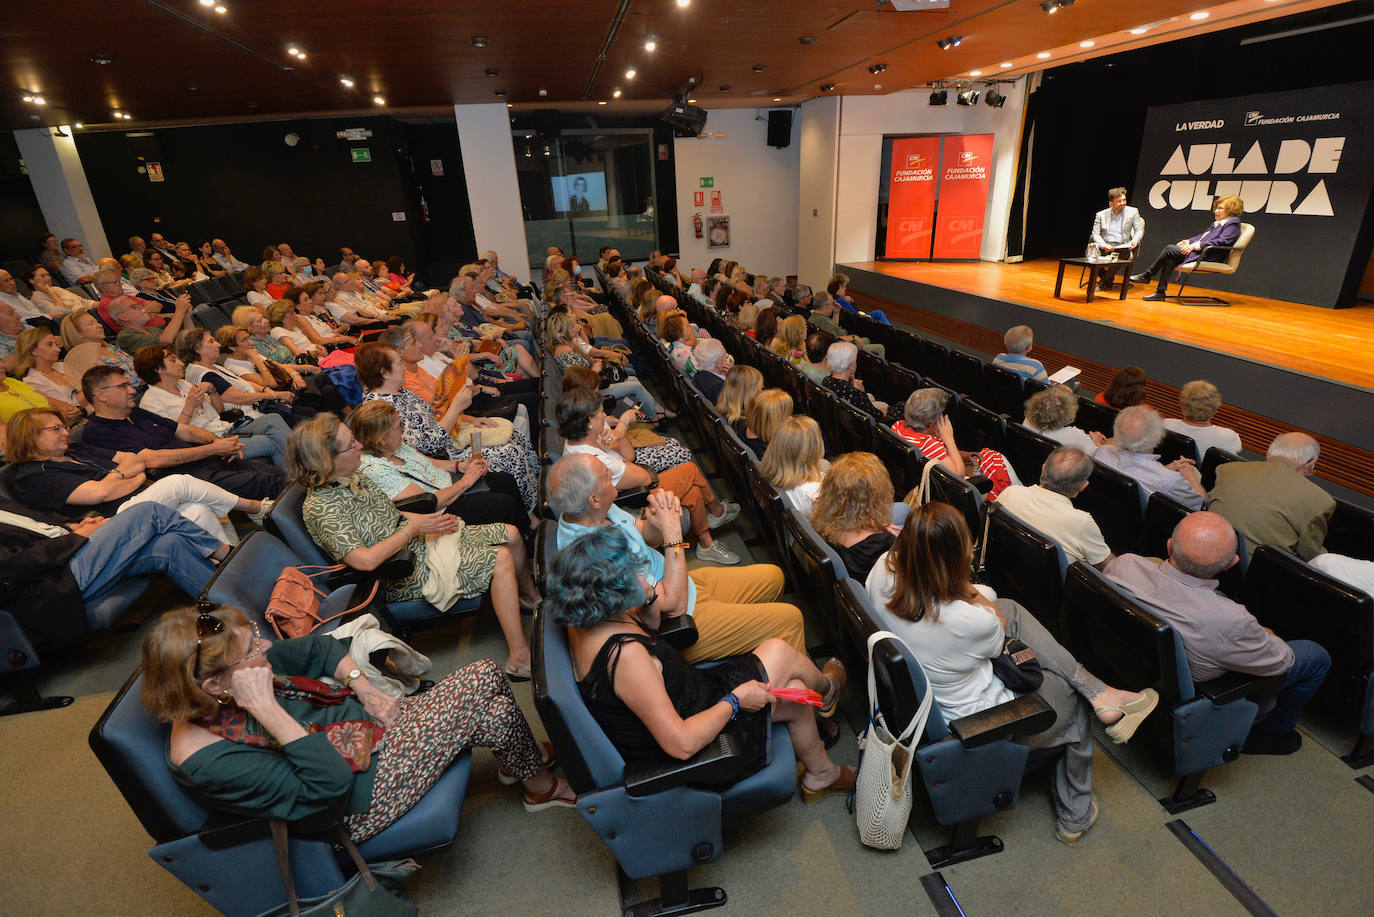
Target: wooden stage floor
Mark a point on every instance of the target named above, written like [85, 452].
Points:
[1329, 343]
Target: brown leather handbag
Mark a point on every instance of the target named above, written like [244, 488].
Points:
[294, 608]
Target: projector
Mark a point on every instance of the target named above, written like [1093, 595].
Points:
[687, 120]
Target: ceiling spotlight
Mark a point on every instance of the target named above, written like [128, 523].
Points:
[293, 51]
[1043, 55]
[616, 94]
[877, 69]
[207, 2]
[724, 87]
[975, 73]
[967, 97]
[378, 100]
[79, 125]
[1050, 6]
[1198, 17]
[491, 71]
[347, 81]
[650, 45]
[777, 98]
[993, 98]
[479, 41]
[758, 68]
[221, 9]
[952, 41]
[543, 92]
[28, 98]
[691, 101]
[1140, 31]
[630, 74]
[827, 87]
[602, 102]
[1086, 44]
[939, 97]
[499, 93]
[684, 3]
[807, 40]
[39, 100]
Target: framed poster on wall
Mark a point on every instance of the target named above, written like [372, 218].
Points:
[933, 197]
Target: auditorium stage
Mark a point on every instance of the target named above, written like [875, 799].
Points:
[1279, 365]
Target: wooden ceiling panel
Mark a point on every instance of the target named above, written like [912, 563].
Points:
[176, 60]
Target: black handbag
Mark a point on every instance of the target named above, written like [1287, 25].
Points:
[1018, 668]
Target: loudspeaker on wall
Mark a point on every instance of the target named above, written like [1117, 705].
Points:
[780, 128]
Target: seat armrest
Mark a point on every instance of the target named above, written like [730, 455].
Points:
[1234, 686]
[397, 566]
[634, 498]
[1026, 715]
[679, 631]
[981, 483]
[420, 503]
[720, 762]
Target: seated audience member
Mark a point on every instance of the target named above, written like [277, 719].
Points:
[381, 371]
[1272, 502]
[277, 277]
[570, 349]
[925, 425]
[352, 520]
[244, 376]
[677, 333]
[790, 340]
[697, 288]
[348, 305]
[742, 383]
[650, 701]
[162, 444]
[1051, 414]
[814, 365]
[1199, 401]
[10, 295]
[38, 362]
[306, 301]
[843, 358]
[585, 429]
[746, 317]
[1135, 434]
[226, 257]
[853, 511]
[766, 412]
[145, 282]
[794, 462]
[1018, 342]
[82, 328]
[922, 591]
[11, 326]
[653, 451]
[734, 610]
[254, 730]
[1046, 506]
[156, 262]
[1219, 635]
[171, 396]
[255, 288]
[712, 364]
[1126, 389]
[50, 255]
[824, 310]
[205, 260]
[137, 332]
[766, 325]
[272, 348]
[799, 300]
[75, 481]
[48, 296]
[838, 287]
[53, 569]
[76, 267]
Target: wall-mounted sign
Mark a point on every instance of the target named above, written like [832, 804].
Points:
[717, 202]
[353, 133]
[155, 172]
[360, 154]
[718, 232]
[398, 216]
[436, 167]
[698, 198]
[708, 181]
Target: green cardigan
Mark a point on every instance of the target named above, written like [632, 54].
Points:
[306, 776]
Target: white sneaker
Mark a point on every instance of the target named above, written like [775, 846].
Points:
[717, 553]
[727, 514]
[262, 513]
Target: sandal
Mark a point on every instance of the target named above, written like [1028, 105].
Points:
[842, 784]
[559, 794]
[833, 670]
[1132, 715]
[518, 674]
[548, 760]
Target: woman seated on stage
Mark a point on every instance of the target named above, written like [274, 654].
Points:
[927, 428]
[922, 592]
[1051, 413]
[650, 701]
[255, 730]
[1227, 210]
[854, 512]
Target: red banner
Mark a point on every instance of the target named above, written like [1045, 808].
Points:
[965, 175]
[911, 197]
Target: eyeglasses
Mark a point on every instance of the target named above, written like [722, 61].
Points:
[255, 649]
[53, 429]
[207, 625]
[128, 385]
[349, 448]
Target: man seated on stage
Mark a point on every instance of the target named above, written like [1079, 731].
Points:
[1018, 342]
[1135, 434]
[1220, 635]
[1117, 229]
[1228, 210]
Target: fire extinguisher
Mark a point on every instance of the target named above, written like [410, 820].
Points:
[696, 224]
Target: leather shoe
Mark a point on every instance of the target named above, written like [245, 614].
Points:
[1272, 743]
[1156, 297]
[1140, 278]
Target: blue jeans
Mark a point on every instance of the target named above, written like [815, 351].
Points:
[264, 437]
[1310, 665]
[145, 538]
[633, 388]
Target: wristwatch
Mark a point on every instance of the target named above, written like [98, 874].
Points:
[352, 674]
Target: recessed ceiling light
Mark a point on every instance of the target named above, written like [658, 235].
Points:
[975, 73]
[758, 68]
[1086, 44]
[221, 10]
[630, 74]
[378, 100]
[1140, 31]
[777, 99]
[102, 59]
[300, 55]
[827, 87]
[479, 41]
[79, 125]
[691, 101]
[684, 3]
[1199, 16]
[650, 45]
[1043, 55]
[207, 2]
[616, 94]
[602, 102]
[28, 98]
[543, 92]
[293, 50]
[1005, 64]
[39, 100]
[807, 40]
[346, 81]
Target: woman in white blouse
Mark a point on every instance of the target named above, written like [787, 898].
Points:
[52, 299]
[921, 590]
[794, 461]
[255, 288]
[1051, 413]
[200, 350]
[37, 362]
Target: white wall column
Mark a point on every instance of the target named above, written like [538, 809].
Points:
[816, 190]
[59, 183]
[493, 192]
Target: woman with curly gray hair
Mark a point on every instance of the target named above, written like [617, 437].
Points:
[1051, 413]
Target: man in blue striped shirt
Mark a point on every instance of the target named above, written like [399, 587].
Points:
[1018, 342]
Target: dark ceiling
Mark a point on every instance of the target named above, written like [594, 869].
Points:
[180, 60]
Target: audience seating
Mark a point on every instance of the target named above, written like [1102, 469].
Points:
[1114, 502]
[1095, 417]
[814, 568]
[902, 460]
[1298, 601]
[967, 376]
[1021, 563]
[1177, 445]
[1027, 451]
[976, 428]
[659, 817]
[970, 768]
[1006, 391]
[1211, 461]
[246, 578]
[1196, 726]
[958, 492]
[854, 429]
[1351, 531]
[230, 860]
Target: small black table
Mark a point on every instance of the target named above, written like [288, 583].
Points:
[1092, 274]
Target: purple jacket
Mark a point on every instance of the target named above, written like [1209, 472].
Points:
[1224, 233]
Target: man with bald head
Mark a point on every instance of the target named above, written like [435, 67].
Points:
[1272, 502]
[1219, 635]
[226, 257]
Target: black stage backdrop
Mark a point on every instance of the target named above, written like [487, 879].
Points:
[1303, 163]
[1090, 117]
